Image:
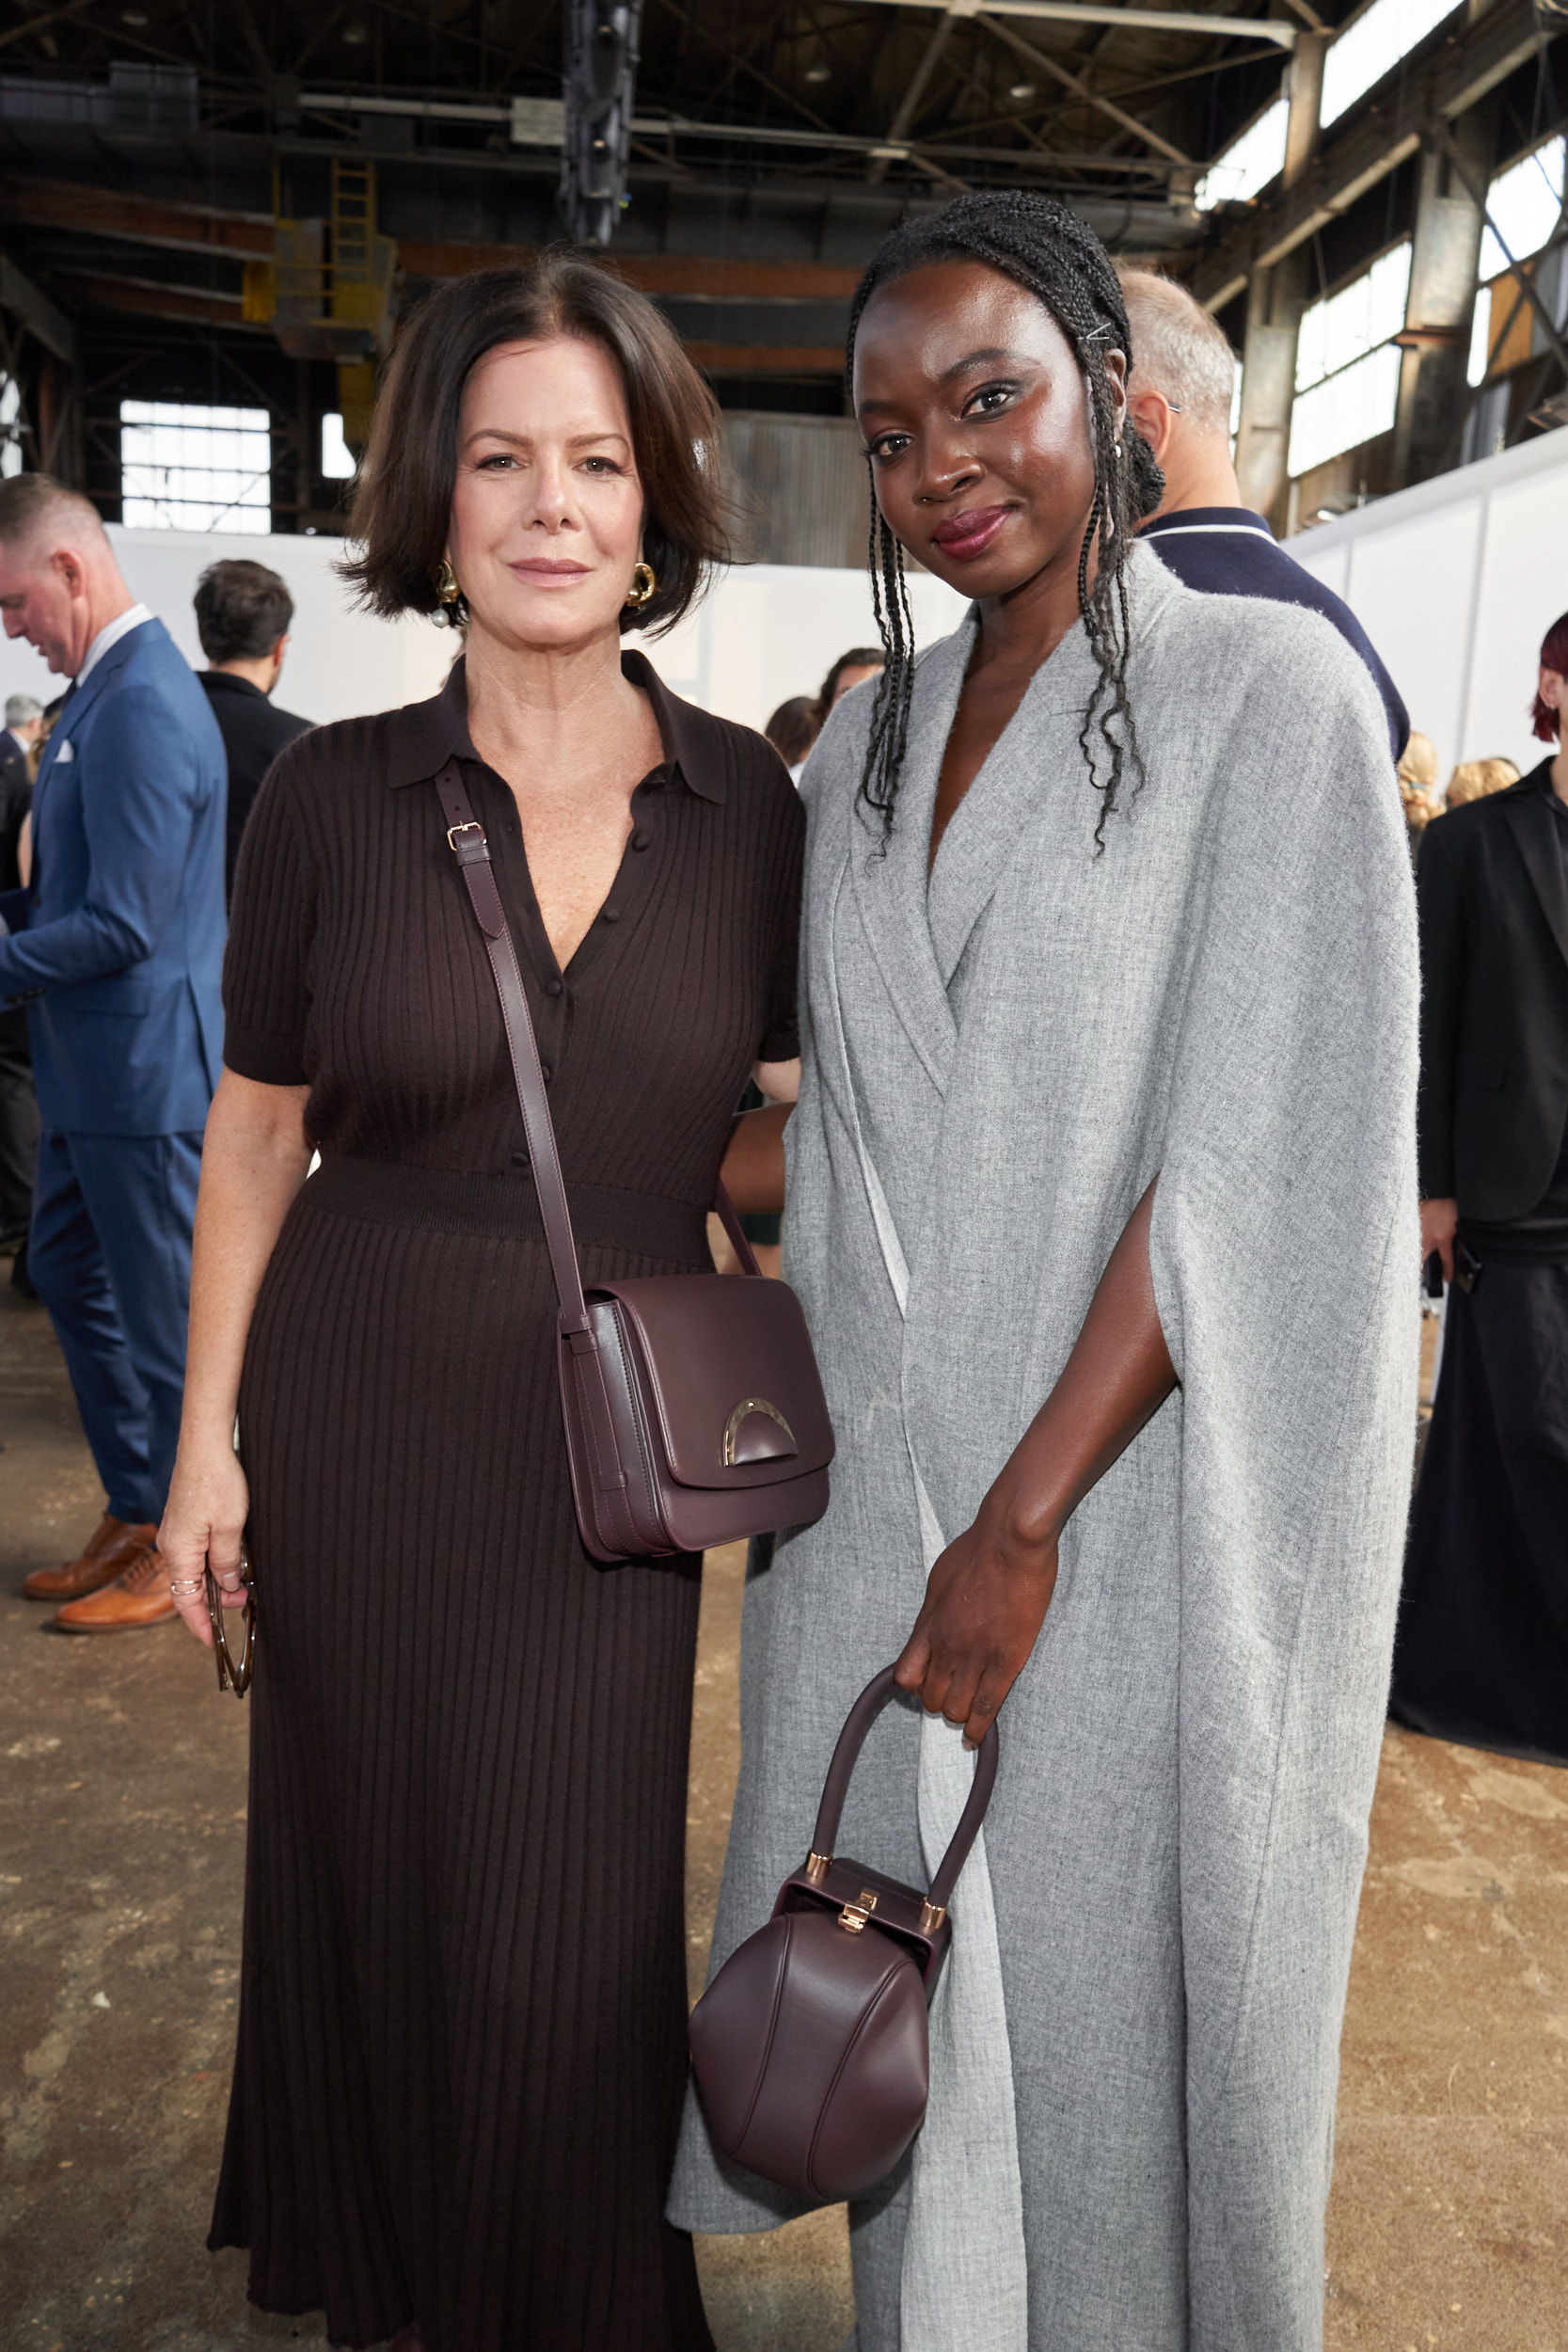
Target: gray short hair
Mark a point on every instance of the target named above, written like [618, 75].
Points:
[1178, 349]
[20, 707]
[27, 500]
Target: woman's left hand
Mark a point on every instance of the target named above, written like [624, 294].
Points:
[985, 1603]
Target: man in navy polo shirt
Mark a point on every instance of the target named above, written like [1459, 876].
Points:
[1179, 397]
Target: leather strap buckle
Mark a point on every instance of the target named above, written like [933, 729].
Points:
[472, 825]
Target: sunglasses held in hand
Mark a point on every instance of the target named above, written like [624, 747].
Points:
[234, 1673]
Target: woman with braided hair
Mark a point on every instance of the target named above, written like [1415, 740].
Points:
[1102, 1205]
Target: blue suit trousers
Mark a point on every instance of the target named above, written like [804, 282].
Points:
[110, 1255]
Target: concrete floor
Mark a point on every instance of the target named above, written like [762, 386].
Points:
[121, 1831]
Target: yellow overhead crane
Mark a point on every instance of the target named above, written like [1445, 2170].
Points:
[330, 290]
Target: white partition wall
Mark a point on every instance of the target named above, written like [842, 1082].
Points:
[771, 631]
[1456, 582]
[762, 633]
[339, 663]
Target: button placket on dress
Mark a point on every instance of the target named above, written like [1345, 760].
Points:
[557, 989]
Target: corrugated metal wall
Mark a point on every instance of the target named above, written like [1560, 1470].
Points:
[801, 485]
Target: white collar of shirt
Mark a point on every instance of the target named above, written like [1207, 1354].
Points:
[111, 636]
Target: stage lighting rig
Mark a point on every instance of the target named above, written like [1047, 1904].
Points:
[599, 84]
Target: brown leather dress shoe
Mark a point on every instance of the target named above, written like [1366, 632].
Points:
[138, 1597]
[115, 1545]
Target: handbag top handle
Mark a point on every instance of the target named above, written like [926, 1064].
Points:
[872, 1700]
[466, 837]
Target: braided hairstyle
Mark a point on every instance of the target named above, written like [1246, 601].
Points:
[1049, 251]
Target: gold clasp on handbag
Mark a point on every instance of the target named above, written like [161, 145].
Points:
[854, 1915]
[748, 1405]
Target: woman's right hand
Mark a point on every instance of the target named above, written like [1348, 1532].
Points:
[1439, 1224]
[209, 1501]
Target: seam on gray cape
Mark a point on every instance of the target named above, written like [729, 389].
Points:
[1210, 2106]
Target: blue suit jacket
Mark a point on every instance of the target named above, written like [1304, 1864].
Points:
[121, 955]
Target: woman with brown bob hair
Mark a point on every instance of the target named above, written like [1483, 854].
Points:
[461, 2013]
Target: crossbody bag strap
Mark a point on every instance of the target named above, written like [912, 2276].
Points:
[467, 839]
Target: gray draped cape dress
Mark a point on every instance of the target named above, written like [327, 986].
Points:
[996, 1065]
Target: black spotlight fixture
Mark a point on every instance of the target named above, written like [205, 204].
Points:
[601, 83]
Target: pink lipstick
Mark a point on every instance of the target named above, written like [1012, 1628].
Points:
[965, 536]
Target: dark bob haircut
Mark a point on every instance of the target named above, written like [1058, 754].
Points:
[402, 505]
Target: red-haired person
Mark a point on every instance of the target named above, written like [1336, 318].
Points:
[1482, 1652]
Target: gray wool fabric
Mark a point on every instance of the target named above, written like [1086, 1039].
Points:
[1224, 999]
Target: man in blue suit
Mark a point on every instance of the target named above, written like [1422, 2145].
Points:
[116, 947]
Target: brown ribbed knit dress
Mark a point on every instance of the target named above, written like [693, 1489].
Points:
[462, 2023]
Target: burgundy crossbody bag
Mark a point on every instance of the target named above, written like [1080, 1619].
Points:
[693, 1407]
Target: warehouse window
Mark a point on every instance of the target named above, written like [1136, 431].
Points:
[1249, 164]
[186, 468]
[338, 461]
[1372, 46]
[1347, 369]
[1526, 202]
[11, 426]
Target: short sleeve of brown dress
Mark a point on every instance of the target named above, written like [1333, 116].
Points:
[462, 2031]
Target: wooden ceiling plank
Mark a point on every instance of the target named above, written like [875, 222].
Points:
[139, 220]
[716, 278]
[154, 301]
[768, 359]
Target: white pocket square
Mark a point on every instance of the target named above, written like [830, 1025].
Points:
[66, 751]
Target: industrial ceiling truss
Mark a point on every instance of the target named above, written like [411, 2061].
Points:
[193, 194]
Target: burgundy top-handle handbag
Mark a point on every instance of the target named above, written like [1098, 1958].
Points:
[810, 2045]
[693, 1407]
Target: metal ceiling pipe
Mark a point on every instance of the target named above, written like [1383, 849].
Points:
[1104, 12]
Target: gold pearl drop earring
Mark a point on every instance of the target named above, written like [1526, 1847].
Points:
[452, 608]
[644, 580]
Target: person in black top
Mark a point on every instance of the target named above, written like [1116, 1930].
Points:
[1482, 1650]
[1179, 397]
[243, 613]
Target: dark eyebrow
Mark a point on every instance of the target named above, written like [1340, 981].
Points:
[987, 359]
[991, 356]
[525, 440]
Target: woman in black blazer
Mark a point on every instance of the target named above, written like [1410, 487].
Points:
[1482, 1653]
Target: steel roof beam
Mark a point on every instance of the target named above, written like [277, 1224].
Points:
[1107, 107]
[29, 304]
[1105, 12]
[1379, 132]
